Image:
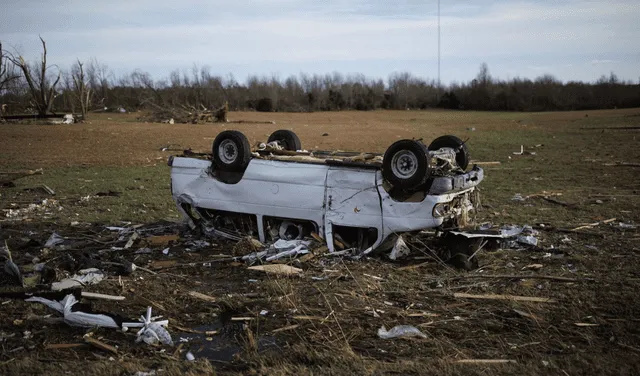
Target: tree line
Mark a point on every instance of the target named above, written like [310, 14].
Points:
[41, 87]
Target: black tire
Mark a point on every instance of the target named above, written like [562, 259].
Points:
[231, 151]
[287, 139]
[406, 164]
[453, 142]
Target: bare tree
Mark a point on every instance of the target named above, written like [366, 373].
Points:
[41, 87]
[98, 76]
[7, 75]
[83, 92]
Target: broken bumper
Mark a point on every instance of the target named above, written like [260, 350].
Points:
[451, 184]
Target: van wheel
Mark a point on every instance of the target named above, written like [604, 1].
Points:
[453, 142]
[406, 164]
[231, 151]
[287, 139]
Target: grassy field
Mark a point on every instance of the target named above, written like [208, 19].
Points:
[114, 152]
[577, 154]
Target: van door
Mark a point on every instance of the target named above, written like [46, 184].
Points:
[352, 200]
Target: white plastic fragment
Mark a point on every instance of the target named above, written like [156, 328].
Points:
[528, 239]
[89, 276]
[287, 245]
[143, 251]
[141, 373]
[76, 318]
[518, 197]
[68, 119]
[400, 249]
[152, 332]
[190, 357]
[400, 331]
[119, 229]
[53, 240]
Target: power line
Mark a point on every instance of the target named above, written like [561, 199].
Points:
[438, 45]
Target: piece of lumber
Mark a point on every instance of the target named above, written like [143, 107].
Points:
[95, 295]
[557, 202]
[485, 361]
[305, 317]
[48, 189]
[504, 297]
[594, 224]
[276, 269]
[288, 327]
[201, 296]
[58, 346]
[99, 344]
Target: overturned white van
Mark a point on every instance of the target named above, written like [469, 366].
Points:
[356, 200]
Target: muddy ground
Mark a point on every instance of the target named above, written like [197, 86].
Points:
[325, 320]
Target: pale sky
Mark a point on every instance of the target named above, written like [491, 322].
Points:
[571, 39]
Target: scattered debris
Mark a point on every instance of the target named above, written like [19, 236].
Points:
[44, 209]
[400, 331]
[626, 226]
[10, 268]
[511, 235]
[400, 249]
[84, 277]
[54, 240]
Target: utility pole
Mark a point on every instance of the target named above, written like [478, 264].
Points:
[438, 90]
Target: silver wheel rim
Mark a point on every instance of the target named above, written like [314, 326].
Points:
[404, 164]
[228, 151]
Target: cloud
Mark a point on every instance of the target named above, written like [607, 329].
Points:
[153, 33]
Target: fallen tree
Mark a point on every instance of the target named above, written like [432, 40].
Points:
[186, 114]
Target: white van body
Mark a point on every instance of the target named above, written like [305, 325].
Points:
[323, 194]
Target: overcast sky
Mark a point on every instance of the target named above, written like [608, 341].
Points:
[571, 39]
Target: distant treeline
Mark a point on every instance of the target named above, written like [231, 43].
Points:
[95, 87]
